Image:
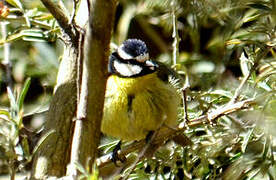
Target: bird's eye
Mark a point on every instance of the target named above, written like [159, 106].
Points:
[142, 58]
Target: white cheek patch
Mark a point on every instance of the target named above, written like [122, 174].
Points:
[127, 69]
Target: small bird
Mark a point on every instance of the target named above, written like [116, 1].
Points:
[139, 96]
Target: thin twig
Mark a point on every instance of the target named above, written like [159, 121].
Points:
[61, 17]
[6, 62]
[73, 14]
[259, 55]
[8, 68]
[175, 56]
[175, 35]
[239, 89]
[229, 108]
[80, 65]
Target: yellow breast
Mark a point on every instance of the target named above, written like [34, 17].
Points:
[135, 106]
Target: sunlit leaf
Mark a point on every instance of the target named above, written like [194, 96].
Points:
[15, 3]
[244, 63]
[23, 93]
[12, 99]
[4, 112]
[42, 140]
[259, 6]
[34, 39]
[246, 139]
[25, 147]
[82, 170]
[222, 93]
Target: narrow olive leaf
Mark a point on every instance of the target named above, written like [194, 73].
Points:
[222, 93]
[28, 35]
[95, 173]
[244, 64]
[25, 147]
[11, 38]
[43, 139]
[266, 71]
[12, 99]
[81, 169]
[267, 144]
[264, 75]
[233, 42]
[5, 113]
[33, 33]
[15, 3]
[23, 93]
[34, 39]
[260, 6]
[246, 140]
[107, 147]
[27, 20]
[264, 85]
[253, 172]
[251, 18]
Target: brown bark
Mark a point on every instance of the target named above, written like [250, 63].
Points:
[90, 108]
[54, 153]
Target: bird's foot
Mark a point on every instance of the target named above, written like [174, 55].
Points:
[116, 158]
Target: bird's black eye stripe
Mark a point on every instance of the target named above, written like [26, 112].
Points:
[128, 61]
[114, 57]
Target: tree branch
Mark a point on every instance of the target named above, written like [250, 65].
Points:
[94, 75]
[63, 20]
[54, 154]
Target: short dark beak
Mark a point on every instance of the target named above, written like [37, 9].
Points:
[151, 64]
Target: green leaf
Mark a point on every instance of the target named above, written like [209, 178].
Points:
[42, 140]
[33, 33]
[95, 174]
[25, 147]
[23, 93]
[81, 169]
[12, 99]
[222, 93]
[15, 3]
[246, 140]
[34, 39]
[107, 147]
[5, 113]
[244, 64]
[259, 6]
[27, 35]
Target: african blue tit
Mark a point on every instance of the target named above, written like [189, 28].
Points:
[139, 96]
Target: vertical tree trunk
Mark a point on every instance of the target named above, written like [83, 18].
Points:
[94, 76]
[54, 153]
